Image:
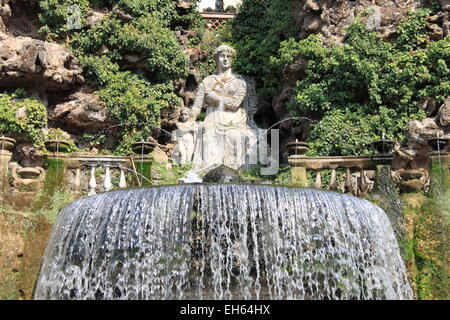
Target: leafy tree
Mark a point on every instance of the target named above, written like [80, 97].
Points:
[256, 33]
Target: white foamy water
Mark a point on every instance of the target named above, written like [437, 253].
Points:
[222, 242]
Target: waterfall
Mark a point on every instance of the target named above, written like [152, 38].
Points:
[222, 242]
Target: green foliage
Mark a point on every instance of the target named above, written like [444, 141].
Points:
[57, 201]
[359, 89]
[432, 243]
[131, 98]
[257, 32]
[283, 176]
[55, 182]
[346, 133]
[429, 222]
[209, 42]
[90, 140]
[162, 9]
[54, 15]
[412, 31]
[144, 172]
[145, 35]
[131, 56]
[367, 86]
[30, 127]
[170, 176]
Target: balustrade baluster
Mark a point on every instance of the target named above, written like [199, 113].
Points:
[318, 183]
[122, 180]
[92, 182]
[77, 180]
[364, 184]
[333, 180]
[348, 181]
[107, 185]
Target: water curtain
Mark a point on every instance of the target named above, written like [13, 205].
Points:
[222, 242]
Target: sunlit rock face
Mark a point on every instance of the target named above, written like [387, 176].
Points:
[25, 61]
[222, 242]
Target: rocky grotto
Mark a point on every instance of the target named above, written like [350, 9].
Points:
[277, 149]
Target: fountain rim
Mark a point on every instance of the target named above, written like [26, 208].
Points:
[230, 184]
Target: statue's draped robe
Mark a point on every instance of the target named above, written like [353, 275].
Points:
[224, 137]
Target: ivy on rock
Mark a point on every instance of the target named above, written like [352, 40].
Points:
[366, 86]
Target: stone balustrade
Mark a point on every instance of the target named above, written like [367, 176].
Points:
[357, 183]
[350, 174]
[79, 167]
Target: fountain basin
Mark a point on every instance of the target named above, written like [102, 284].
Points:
[297, 148]
[56, 145]
[229, 241]
[143, 147]
[28, 178]
[6, 143]
[28, 173]
[411, 180]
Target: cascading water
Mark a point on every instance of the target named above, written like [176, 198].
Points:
[222, 242]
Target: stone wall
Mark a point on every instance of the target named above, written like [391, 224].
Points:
[23, 238]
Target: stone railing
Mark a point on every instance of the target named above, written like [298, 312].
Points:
[359, 171]
[97, 173]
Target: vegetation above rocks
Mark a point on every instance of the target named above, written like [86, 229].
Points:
[21, 116]
[367, 86]
[257, 33]
[131, 55]
[357, 90]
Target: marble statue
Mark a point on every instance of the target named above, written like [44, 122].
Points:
[225, 137]
[186, 139]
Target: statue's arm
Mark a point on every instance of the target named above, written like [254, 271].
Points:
[235, 101]
[199, 99]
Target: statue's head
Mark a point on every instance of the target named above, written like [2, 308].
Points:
[224, 56]
[186, 114]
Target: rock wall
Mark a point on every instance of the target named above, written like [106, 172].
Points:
[52, 73]
[32, 63]
[23, 239]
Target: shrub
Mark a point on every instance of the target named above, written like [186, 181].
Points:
[30, 127]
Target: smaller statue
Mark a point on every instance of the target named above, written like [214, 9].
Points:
[185, 135]
[219, 6]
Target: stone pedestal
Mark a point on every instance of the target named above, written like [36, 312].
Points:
[384, 182]
[5, 157]
[299, 176]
